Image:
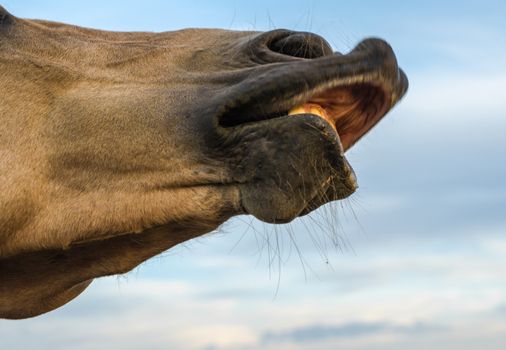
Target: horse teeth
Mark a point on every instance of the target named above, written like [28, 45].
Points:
[312, 108]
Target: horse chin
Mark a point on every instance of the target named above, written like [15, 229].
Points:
[289, 164]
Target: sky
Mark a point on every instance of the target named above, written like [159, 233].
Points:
[415, 259]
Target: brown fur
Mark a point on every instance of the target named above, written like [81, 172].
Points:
[69, 96]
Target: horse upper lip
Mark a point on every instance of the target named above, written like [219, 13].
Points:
[278, 87]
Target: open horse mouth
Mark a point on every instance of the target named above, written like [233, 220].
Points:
[350, 110]
[351, 92]
[348, 93]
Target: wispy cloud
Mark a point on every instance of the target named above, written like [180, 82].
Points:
[312, 333]
[458, 98]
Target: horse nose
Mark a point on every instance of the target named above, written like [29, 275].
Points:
[302, 45]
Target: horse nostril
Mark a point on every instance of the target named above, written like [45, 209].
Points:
[302, 44]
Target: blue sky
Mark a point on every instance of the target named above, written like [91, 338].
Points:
[421, 255]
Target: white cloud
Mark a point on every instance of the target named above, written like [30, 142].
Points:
[451, 290]
[457, 98]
